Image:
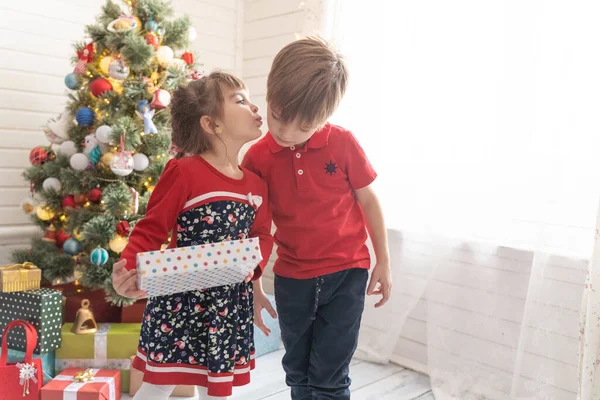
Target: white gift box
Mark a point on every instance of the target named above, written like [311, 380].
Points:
[183, 269]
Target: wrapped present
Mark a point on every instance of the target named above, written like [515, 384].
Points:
[20, 277]
[48, 360]
[84, 384]
[133, 313]
[109, 348]
[267, 344]
[183, 269]
[42, 308]
[136, 382]
[104, 311]
[73, 293]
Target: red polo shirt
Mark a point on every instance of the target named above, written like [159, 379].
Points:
[320, 225]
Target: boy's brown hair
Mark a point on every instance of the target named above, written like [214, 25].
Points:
[307, 81]
[191, 102]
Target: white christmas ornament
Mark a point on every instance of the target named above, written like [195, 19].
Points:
[79, 161]
[192, 34]
[164, 54]
[122, 164]
[179, 64]
[140, 162]
[52, 183]
[103, 134]
[57, 129]
[68, 148]
[118, 70]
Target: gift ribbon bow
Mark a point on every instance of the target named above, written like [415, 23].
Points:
[26, 265]
[84, 376]
[22, 268]
[27, 372]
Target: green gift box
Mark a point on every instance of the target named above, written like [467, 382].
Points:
[42, 308]
[48, 360]
[111, 347]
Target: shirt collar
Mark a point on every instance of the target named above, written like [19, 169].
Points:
[318, 140]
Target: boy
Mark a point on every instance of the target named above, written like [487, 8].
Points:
[319, 188]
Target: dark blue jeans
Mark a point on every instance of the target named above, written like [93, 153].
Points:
[320, 320]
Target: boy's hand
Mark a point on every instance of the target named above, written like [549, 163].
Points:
[125, 282]
[248, 277]
[262, 302]
[381, 283]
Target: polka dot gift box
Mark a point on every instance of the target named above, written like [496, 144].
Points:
[42, 308]
[183, 269]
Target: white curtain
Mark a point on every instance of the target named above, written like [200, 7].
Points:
[481, 118]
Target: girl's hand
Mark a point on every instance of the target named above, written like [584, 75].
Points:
[262, 302]
[248, 277]
[125, 282]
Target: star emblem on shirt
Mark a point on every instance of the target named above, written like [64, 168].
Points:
[330, 168]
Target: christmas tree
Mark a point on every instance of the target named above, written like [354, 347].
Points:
[108, 148]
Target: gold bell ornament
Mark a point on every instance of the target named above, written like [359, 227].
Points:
[84, 320]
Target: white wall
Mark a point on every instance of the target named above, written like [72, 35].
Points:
[495, 307]
[35, 48]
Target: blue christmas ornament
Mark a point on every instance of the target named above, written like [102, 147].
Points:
[85, 116]
[151, 25]
[72, 247]
[72, 81]
[99, 256]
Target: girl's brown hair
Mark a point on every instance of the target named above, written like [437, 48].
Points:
[193, 101]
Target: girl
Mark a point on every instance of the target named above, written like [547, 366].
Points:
[202, 338]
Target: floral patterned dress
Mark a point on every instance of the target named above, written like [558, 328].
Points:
[205, 337]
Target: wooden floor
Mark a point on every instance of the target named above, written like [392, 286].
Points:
[369, 382]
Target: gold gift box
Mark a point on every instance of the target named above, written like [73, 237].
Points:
[20, 277]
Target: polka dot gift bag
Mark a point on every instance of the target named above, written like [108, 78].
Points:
[22, 380]
[183, 269]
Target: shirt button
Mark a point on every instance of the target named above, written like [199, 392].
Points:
[300, 172]
[298, 155]
[292, 148]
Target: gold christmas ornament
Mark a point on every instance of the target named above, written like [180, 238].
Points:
[84, 320]
[118, 244]
[44, 212]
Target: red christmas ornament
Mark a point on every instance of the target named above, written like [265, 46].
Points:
[40, 155]
[50, 235]
[188, 58]
[99, 86]
[80, 199]
[68, 202]
[123, 228]
[152, 40]
[61, 238]
[95, 195]
[160, 100]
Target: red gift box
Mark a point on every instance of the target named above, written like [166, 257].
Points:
[134, 313]
[81, 384]
[74, 293]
